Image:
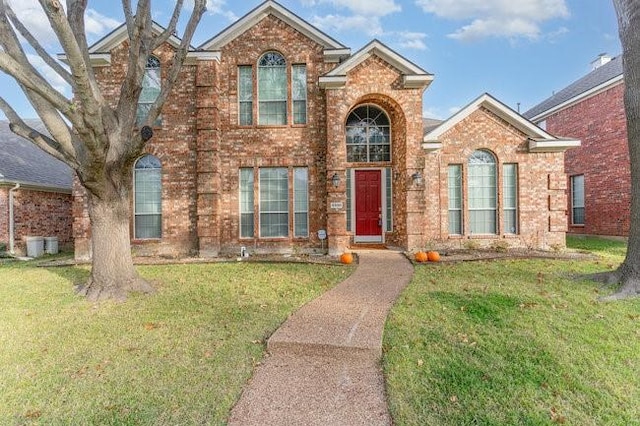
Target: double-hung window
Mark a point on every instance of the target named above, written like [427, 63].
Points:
[577, 200]
[299, 93]
[300, 202]
[274, 202]
[455, 199]
[245, 95]
[510, 198]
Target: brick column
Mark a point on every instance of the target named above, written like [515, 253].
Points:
[208, 159]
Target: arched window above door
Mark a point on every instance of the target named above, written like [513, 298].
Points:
[368, 133]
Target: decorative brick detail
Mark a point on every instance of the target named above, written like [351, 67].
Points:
[603, 158]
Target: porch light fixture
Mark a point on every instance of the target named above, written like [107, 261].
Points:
[417, 178]
[335, 180]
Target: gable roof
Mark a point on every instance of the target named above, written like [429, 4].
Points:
[414, 76]
[596, 81]
[539, 139]
[334, 50]
[23, 162]
[100, 51]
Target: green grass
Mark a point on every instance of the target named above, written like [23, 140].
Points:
[179, 357]
[514, 342]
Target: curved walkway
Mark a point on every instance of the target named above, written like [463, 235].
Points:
[323, 366]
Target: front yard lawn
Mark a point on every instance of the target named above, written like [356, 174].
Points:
[178, 357]
[514, 342]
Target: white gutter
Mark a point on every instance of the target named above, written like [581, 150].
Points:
[11, 221]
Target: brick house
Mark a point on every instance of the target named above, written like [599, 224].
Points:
[592, 110]
[35, 192]
[277, 134]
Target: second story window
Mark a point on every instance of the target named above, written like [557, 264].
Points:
[272, 89]
[151, 85]
[299, 93]
[245, 95]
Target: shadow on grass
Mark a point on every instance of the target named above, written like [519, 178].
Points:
[75, 275]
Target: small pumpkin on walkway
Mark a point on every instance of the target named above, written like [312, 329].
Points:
[346, 258]
[421, 256]
[433, 256]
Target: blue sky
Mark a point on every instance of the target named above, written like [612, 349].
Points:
[520, 51]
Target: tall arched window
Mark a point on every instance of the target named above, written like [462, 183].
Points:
[482, 187]
[151, 85]
[272, 89]
[147, 204]
[368, 135]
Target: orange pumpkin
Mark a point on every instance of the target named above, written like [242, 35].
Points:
[421, 256]
[346, 258]
[433, 256]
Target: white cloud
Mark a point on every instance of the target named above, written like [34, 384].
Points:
[365, 16]
[368, 25]
[218, 7]
[412, 40]
[31, 15]
[361, 7]
[49, 74]
[497, 18]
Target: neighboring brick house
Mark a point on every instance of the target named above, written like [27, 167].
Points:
[276, 132]
[35, 192]
[592, 110]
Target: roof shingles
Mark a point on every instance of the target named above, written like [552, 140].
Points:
[23, 162]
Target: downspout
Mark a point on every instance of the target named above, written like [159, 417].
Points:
[11, 221]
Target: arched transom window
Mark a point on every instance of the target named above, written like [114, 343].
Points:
[483, 193]
[368, 135]
[147, 204]
[272, 89]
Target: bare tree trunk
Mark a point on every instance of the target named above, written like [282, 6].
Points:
[628, 274]
[113, 274]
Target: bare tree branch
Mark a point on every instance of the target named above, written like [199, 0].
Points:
[44, 142]
[31, 79]
[171, 28]
[48, 59]
[199, 8]
[128, 17]
[78, 62]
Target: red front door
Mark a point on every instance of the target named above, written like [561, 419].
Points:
[368, 204]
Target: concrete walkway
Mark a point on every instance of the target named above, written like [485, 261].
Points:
[323, 366]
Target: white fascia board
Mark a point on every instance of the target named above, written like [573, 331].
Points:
[377, 48]
[97, 59]
[336, 55]
[417, 81]
[582, 96]
[332, 82]
[121, 34]
[501, 110]
[194, 56]
[556, 145]
[431, 146]
[259, 13]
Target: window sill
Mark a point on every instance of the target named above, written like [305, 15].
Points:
[577, 225]
[142, 241]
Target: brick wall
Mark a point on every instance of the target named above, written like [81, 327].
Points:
[541, 186]
[174, 143]
[376, 82]
[234, 146]
[36, 213]
[600, 123]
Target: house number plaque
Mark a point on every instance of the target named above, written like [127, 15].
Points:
[336, 205]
